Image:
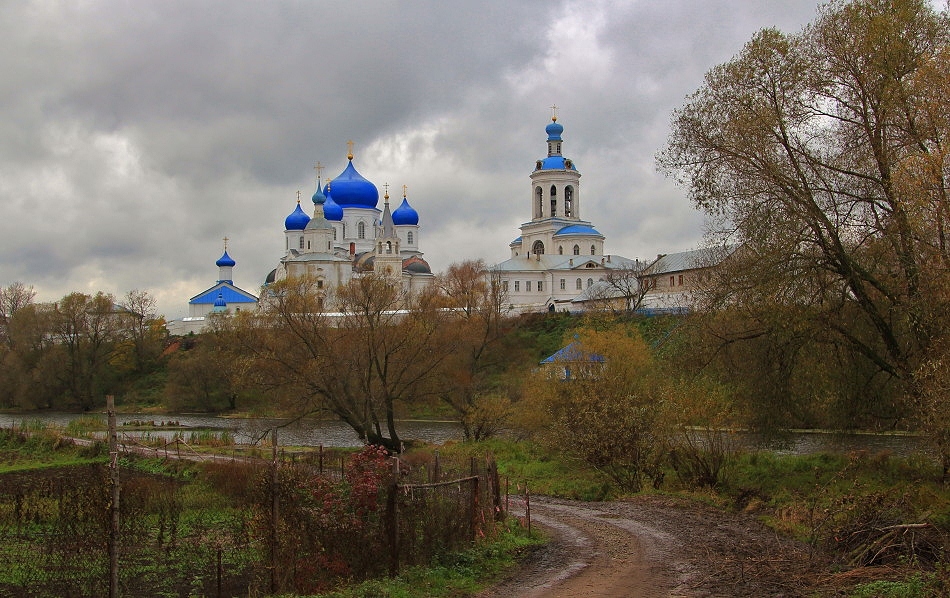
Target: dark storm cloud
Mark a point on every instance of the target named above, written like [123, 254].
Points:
[137, 134]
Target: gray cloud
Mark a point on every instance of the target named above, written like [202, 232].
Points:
[137, 134]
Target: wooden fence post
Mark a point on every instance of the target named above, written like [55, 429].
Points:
[114, 507]
[475, 491]
[273, 513]
[392, 516]
[527, 507]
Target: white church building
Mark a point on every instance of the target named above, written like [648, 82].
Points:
[559, 256]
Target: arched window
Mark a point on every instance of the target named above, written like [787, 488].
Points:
[593, 250]
[389, 246]
[553, 201]
[539, 206]
[577, 250]
[301, 243]
[537, 248]
[568, 201]
[409, 237]
[578, 285]
[590, 282]
[344, 230]
[560, 250]
[361, 230]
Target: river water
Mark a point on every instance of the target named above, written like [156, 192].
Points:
[307, 432]
[332, 433]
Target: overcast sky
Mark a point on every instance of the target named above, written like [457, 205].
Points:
[135, 135]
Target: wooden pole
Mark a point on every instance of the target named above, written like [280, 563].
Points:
[114, 507]
[273, 513]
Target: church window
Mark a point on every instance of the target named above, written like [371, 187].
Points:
[334, 233]
[308, 244]
[681, 280]
[553, 201]
[560, 250]
[504, 286]
[539, 212]
[672, 280]
[389, 246]
[527, 286]
[569, 201]
[578, 284]
[540, 286]
[593, 250]
[517, 285]
[287, 243]
[537, 248]
[577, 250]
[344, 230]
[409, 237]
[590, 282]
[301, 243]
[563, 283]
[361, 230]
[320, 284]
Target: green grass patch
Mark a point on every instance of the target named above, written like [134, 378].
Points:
[528, 465]
[454, 575]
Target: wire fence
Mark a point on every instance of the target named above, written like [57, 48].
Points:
[237, 527]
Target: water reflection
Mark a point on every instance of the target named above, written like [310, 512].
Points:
[332, 433]
[306, 432]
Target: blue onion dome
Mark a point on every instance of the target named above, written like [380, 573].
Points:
[219, 301]
[331, 210]
[351, 190]
[405, 214]
[225, 260]
[554, 130]
[318, 197]
[297, 220]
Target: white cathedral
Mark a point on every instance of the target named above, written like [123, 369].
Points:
[558, 263]
[348, 235]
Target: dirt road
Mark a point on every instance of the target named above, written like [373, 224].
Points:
[654, 546]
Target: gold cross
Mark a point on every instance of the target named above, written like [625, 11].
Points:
[386, 187]
[298, 195]
[225, 243]
[349, 149]
[554, 112]
[319, 168]
[405, 189]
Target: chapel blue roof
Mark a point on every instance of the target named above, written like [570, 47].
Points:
[351, 190]
[331, 209]
[578, 229]
[297, 220]
[228, 292]
[405, 214]
[225, 260]
[573, 352]
[554, 131]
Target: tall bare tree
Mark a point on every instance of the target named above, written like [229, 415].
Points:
[382, 349]
[476, 298]
[824, 154]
